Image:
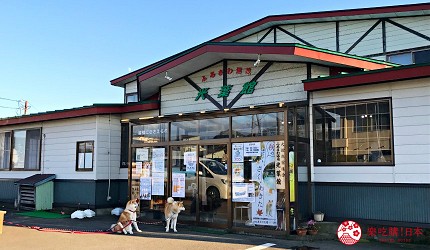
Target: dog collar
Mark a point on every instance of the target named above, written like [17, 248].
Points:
[131, 211]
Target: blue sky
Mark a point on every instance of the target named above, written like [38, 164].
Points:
[62, 54]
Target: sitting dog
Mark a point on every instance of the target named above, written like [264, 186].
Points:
[127, 218]
[171, 212]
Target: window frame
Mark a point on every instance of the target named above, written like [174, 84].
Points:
[353, 164]
[133, 94]
[39, 153]
[9, 155]
[411, 53]
[77, 169]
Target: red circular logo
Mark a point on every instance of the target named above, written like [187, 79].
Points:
[349, 232]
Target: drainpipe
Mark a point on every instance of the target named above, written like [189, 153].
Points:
[108, 198]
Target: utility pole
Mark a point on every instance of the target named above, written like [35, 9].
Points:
[25, 107]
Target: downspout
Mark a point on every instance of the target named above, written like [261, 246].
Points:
[108, 198]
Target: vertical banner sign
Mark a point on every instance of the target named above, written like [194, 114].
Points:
[145, 188]
[237, 152]
[263, 174]
[178, 185]
[280, 165]
[292, 176]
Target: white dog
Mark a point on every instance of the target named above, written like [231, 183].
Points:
[127, 218]
[171, 212]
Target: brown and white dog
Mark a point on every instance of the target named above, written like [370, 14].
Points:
[127, 218]
[171, 212]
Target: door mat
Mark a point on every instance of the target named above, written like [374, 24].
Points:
[44, 214]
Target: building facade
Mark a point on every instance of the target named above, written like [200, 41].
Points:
[257, 129]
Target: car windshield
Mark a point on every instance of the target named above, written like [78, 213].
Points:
[215, 167]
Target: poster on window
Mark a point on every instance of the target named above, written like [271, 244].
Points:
[157, 166]
[157, 183]
[145, 188]
[280, 165]
[178, 185]
[237, 151]
[243, 192]
[158, 160]
[141, 154]
[263, 174]
[237, 171]
[138, 168]
[252, 149]
[158, 154]
[146, 169]
[190, 161]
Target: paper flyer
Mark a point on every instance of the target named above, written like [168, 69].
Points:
[145, 188]
[142, 154]
[237, 172]
[178, 185]
[243, 192]
[139, 168]
[190, 161]
[252, 149]
[237, 151]
[157, 183]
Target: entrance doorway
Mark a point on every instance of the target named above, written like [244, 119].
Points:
[199, 179]
[213, 185]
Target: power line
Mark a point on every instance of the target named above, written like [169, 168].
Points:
[8, 107]
[7, 99]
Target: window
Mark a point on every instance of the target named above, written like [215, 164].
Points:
[85, 156]
[149, 133]
[26, 149]
[269, 124]
[206, 129]
[410, 57]
[422, 56]
[5, 150]
[403, 58]
[353, 133]
[132, 97]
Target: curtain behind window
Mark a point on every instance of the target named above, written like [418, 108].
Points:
[32, 149]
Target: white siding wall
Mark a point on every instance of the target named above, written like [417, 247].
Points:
[350, 32]
[285, 79]
[59, 146]
[398, 39]
[323, 35]
[411, 129]
[256, 37]
[59, 142]
[58, 155]
[109, 140]
[179, 96]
